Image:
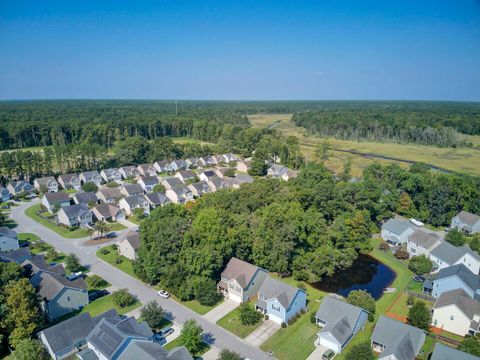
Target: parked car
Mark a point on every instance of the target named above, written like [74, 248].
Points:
[166, 331]
[110, 235]
[6, 207]
[164, 294]
[418, 278]
[24, 244]
[97, 294]
[327, 355]
[417, 222]
[74, 276]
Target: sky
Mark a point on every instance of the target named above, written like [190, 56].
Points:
[240, 50]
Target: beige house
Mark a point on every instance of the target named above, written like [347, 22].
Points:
[69, 181]
[147, 170]
[133, 202]
[46, 184]
[109, 195]
[457, 312]
[241, 280]
[244, 165]
[107, 212]
[128, 247]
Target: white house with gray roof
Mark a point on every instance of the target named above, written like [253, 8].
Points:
[163, 166]
[451, 278]
[52, 201]
[91, 177]
[465, 221]
[280, 301]
[199, 188]
[179, 194]
[69, 181]
[148, 183]
[396, 232]
[128, 247]
[75, 215]
[171, 182]
[339, 322]
[394, 340]
[186, 175]
[132, 189]
[20, 186]
[455, 311]
[147, 170]
[129, 172]
[46, 184]
[4, 194]
[446, 254]
[130, 203]
[422, 243]
[240, 280]
[110, 175]
[178, 165]
[157, 199]
[444, 352]
[8, 239]
[86, 198]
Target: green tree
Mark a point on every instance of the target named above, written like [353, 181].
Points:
[345, 175]
[51, 254]
[95, 281]
[139, 213]
[419, 316]
[405, 205]
[248, 315]
[159, 188]
[322, 152]
[123, 298]
[191, 336]
[363, 299]
[205, 291]
[229, 355]
[471, 345]
[361, 351]
[455, 237]
[72, 263]
[258, 166]
[28, 349]
[420, 265]
[153, 314]
[89, 186]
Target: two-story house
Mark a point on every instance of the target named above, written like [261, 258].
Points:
[87, 198]
[206, 161]
[157, 199]
[130, 203]
[91, 177]
[109, 195]
[4, 194]
[199, 188]
[445, 254]
[54, 201]
[276, 170]
[163, 166]
[172, 182]
[280, 301]
[18, 187]
[178, 165]
[111, 175]
[422, 243]
[132, 189]
[148, 183]
[465, 221]
[192, 163]
[129, 172]
[129, 245]
[75, 215]
[147, 170]
[69, 181]
[179, 194]
[107, 212]
[241, 280]
[8, 239]
[451, 278]
[396, 232]
[46, 184]
[186, 175]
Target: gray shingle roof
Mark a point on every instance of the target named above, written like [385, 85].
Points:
[87, 354]
[5, 231]
[135, 200]
[468, 218]
[50, 285]
[45, 180]
[133, 189]
[396, 226]
[89, 175]
[157, 198]
[444, 352]
[450, 254]
[107, 210]
[424, 239]
[18, 255]
[187, 174]
[239, 270]
[402, 340]
[340, 317]
[111, 193]
[460, 298]
[149, 350]
[56, 197]
[462, 272]
[37, 263]
[85, 197]
[74, 211]
[284, 293]
[129, 170]
[173, 182]
[133, 238]
[150, 180]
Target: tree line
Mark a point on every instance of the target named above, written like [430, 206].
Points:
[309, 227]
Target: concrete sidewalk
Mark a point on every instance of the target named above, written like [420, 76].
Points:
[262, 333]
[221, 310]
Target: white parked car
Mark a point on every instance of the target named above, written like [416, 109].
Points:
[164, 294]
[416, 222]
[74, 276]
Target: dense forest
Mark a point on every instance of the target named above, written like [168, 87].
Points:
[437, 125]
[102, 122]
[308, 227]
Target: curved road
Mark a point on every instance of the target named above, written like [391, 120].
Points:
[220, 337]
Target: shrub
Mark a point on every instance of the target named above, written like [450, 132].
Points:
[420, 265]
[248, 315]
[114, 247]
[419, 316]
[384, 246]
[95, 281]
[401, 254]
[363, 299]
[283, 325]
[153, 314]
[118, 260]
[361, 351]
[313, 319]
[72, 263]
[410, 300]
[104, 251]
[205, 291]
[455, 237]
[123, 298]
[303, 311]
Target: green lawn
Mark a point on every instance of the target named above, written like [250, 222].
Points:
[105, 303]
[134, 219]
[401, 308]
[427, 347]
[70, 191]
[32, 213]
[115, 226]
[174, 343]
[42, 247]
[231, 322]
[23, 237]
[126, 265]
[194, 305]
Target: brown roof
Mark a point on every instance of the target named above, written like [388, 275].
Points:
[239, 270]
[111, 193]
[459, 297]
[56, 197]
[424, 239]
[107, 210]
[133, 238]
[468, 218]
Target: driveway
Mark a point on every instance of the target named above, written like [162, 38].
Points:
[211, 354]
[318, 352]
[262, 333]
[221, 310]
[178, 313]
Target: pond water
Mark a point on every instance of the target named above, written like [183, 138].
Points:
[366, 273]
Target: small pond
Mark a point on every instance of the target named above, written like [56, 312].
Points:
[366, 273]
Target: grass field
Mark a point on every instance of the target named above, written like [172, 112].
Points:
[115, 226]
[60, 230]
[194, 305]
[126, 265]
[459, 159]
[232, 323]
[23, 237]
[105, 303]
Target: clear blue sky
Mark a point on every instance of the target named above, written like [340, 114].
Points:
[386, 49]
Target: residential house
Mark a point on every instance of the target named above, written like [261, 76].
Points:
[107, 212]
[130, 203]
[36, 266]
[75, 215]
[339, 322]
[157, 199]
[455, 311]
[4, 194]
[109, 195]
[129, 172]
[132, 189]
[207, 174]
[199, 188]
[241, 280]
[220, 172]
[128, 247]
[245, 165]
[172, 182]
[276, 170]
[206, 161]
[68, 337]
[396, 231]
[444, 352]
[394, 340]
[178, 165]
[179, 194]
[147, 170]
[8, 239]
[148, 183]
[86, 198]
[192, 163]
[451, 278]
[289, 174]
[91, 177]
[446, 254]
[422, 243]
[229, 158]
[18, 255]
[52, 201]
[111, 175]
[215, 183]
[46, 184]
[163, 166]
[186, 175]
[219, 159]
[18, 187]
[241, 179]
[280, 301]
[69, 181]
[465, 221]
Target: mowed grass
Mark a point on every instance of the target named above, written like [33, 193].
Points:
[232, 323]
[24, 237]
[461, 159]
[177, 342]
[105, 303]
[194, 305]
[401, 308]
[60, 230]
[125, 265]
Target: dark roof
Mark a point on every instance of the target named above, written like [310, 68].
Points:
[45, 180]
[73, 211]
[133, 238]
[150, 180]
[157, 198]
[451, 254]
[50, 285]
[444, 352]
[56, 197]
[5, 231]
[460, 298]
[173, 181]
[462, 272]
[111, 193]
[201, 187]
[17, 255]
[239, 270]
[107, 210]
[396, 226]
[273, 288]
[425, 239]
[37, 263]
[85, 197]
[133, 189]
[181, 190]
[468, 218]
[187, 173]
[135, 200]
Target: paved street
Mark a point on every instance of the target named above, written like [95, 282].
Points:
[218, 336]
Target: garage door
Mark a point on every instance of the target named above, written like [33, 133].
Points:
[329, 344]
[235, 297]
[276, 319]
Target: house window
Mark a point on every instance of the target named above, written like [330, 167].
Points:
[68, 298]
[451, 317]
[276, 308]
